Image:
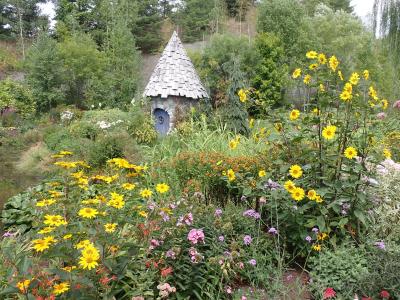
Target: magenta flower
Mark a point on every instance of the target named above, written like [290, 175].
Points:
[186, 219]
[253, 262]
[308, 238]
[221, 238]
[195, 256]
[380, 245]
[247, 240]
[251, 213]
[273, 231]
[315, 229]
[218, 212]
[195, 236]
[170, 254]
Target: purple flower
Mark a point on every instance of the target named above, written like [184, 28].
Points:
[195, 236]
[218, 212]
[315, 229]
[8, 234]
[272, 185]
[273, 231]
[380, 245]
[171, 254]
[164, 216]
[308, 238]
[253, 262]
[227, 254]
[247, 240]
[251, 213]
[195, 256]
[221, 238]
[186, 219]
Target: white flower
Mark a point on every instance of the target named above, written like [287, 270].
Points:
[66, 115]
[103, 124]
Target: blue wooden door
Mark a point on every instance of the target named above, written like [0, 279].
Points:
[162, 121]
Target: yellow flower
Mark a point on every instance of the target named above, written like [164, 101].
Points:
[45, 202]
[91, 251]
[315, 111]
[313, 66]
[88, 212]
[321, 87]
[296, 73]
[322, 236]
[366, 74]
[233, 144]
[318, 199]
[251, 123]
[77, 175]
[295, 171]
[55, 194]
[110, 227]
[350, 152]
[69, 268]
[83, 244]
[354, 78]
[333, 63]
[387, 154]
[262, 173]
[340, 74]
[60, 288]
[298, 194]
[311, 194]
[50, 239]
[311, 54]
[143, 214]
[322, 58]
[54, 220]
[289, 186]
[348, 87]
[294, 114]
[146, 193]
[40, 245]
[46, 230]
[329, 132]
[231, 175]
[67, 236]
[117, 200]
[372, 93]
[88, 262]
[128, 186]
[385, 104]
[162, 188]
[346, 96]
[242, 95]
[316, 247]
[23, 285]
[307, 79]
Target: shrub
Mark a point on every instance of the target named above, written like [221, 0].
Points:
[107, 147]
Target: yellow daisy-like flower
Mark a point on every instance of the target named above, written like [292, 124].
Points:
[231, 175]
[40, 245]
[350, 152]
[315, 111]
[311, 194]
[67, 236]
[50, 239]
[319, 199]
[366, 74]
[311, 54]
[117, 200]
[45, 202]
[294, 114]
[298, 194]
[333, 63]
[385, 103]
[88, 212]
[289, 186]
[54, 220]
[142, 213]
[162, 188]
[313, 66]
[88, 262]
[346, 96]
[23, 285]
[83, 244]
[233, 144]
[307, 79]
[146, 193]
[348, 87]
[46, 230]
[60, 288]
[91, 251]
[316, 247]
[296, 73]
[242, 95]
[69, 269]
[110, 227]
[322, 59]
[128, 186]
[295, 171]
[373, 94]
[262, 173]
[387, 154]
[322, 236]
[340, 74]
[321, 87]
[354, 78]
[329, 132]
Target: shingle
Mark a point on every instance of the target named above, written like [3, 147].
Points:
[175, 74]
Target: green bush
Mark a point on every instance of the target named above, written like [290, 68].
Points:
[107, 147]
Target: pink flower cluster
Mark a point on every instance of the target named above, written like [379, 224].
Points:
[195, 236]
[165, 290]
[185, 219]
[195, 256]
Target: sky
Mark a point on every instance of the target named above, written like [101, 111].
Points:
[361, 7]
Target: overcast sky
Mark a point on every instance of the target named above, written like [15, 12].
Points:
[361, 7]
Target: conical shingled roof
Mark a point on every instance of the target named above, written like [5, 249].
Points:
[175, 74]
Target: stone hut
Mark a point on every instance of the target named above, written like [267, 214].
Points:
[173, 85]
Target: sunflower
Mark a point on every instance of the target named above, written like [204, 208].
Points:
[307, 79]
[50, 239]
[345, 96]
[311, 194]
[67, 236]
[91, 251]
[385, 104]
[329, 132]
[316, 247]
[322, 236]
[40, 245]
[88, 262]
[242, 95]
[128, 186]
[311, 54]
[142, 213]
[233, 144]
[322, 58]
[231, 175]
[294, 114]
[117, 200]
[83, 244]
[354, 78]
[350, 152]
[46, 230]
[162, 188]
[298, 194]
[110, 227]
[289, 186]
[146, 193]
[54, 220]
[60, 288]
[387, 154]
[88, 212]
[333, 63]
[45, 202]
[295, 171]
[23, 285]
[313, 66]
[296, 73]
[366, 74]
[262, 173]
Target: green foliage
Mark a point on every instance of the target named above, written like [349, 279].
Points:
[107, 147]
[45, 73]
[14, 95]
[271, 73]
[342, 269]
[238, 8]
